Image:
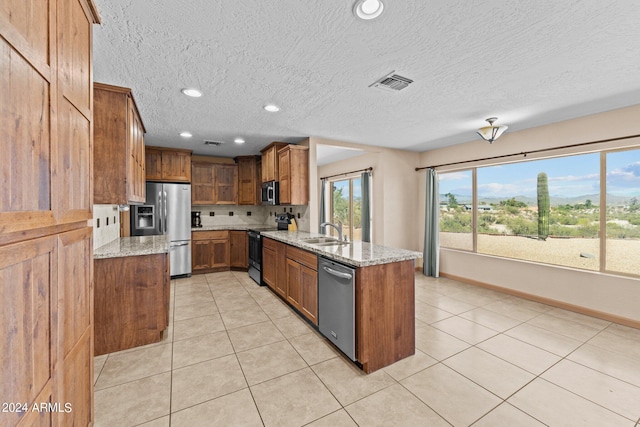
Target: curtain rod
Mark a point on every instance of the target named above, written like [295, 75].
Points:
[369, 169]
[524, 153]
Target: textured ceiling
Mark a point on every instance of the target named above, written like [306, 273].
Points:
[528, 63]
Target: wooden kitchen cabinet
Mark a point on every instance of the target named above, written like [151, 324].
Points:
[131, 301]
[274, 265]
[270, 161]
[168, 164]
[239, 249]
[214, 183]
[211, 251]
[249, 180]
[118, 150]
[302, 281]
[293, 175]
[46, 268]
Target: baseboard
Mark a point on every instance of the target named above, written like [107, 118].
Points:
[555, 303]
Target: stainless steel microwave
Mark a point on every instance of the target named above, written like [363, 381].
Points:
[270, 193]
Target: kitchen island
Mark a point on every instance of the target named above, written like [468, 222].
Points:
[131, 296]
[384, 297]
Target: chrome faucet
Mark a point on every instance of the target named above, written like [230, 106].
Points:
[337, 227]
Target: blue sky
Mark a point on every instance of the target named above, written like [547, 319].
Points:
[567, 176]
[344, 184]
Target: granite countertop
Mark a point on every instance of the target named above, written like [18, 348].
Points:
[133, 246]
[356, 253]
[234, 227]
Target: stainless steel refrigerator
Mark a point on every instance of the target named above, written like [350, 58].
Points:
[167, 210]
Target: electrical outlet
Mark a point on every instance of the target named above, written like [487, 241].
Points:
[230, 213]
[114, 219]
[298, 215]
[212, 213]
[290, 210]
[284, 209]
[249, 213]
[107, 219]
[98, 223]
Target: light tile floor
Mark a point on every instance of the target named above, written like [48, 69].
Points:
[235, 355]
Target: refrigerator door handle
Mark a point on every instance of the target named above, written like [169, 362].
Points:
[159, 208]
[165, 212]
[174, 245]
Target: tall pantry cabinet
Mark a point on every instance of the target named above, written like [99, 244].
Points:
[46, 286]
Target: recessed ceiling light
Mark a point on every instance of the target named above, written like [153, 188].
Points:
[239, 141]
[194, 93]
[368, 9]
[186, 134]
[271, 108]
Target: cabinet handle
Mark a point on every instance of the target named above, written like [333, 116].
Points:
[337, 273]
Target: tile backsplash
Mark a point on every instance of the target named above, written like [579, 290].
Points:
[106, 224]
[249, 215]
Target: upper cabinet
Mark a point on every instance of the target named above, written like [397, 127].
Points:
[249, 180]
[293, 175]
[270, 161]
[168, 164]
[214, 183]
[118, 151]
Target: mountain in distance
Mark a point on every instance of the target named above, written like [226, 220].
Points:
[533, 201]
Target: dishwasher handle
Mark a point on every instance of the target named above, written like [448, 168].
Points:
[337, 273]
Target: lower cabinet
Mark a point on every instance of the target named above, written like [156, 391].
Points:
[219, 250]
[292, 273]
[131, 306]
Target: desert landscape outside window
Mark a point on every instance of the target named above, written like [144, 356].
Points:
[346, 207]
[549, 211]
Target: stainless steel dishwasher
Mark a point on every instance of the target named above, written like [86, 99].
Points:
[336, 304]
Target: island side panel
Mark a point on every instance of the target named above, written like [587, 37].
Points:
[131, 295]
[385, 314]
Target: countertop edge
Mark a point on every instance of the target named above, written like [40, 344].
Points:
[133, 246]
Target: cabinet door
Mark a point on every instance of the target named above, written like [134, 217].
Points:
[309, 292]
[284, 175]
[220, 254]
[153, 164]
[281, 269]
[239, 249]
[269, 267]
[247, 181]
[202, 187]
[268, 165]
[294, 289]
[136, 176]
[201, 254]
[176, 166]
[226, 184]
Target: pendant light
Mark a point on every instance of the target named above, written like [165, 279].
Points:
[491, 133]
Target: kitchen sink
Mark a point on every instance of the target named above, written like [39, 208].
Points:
[317, 240]
[335, 243]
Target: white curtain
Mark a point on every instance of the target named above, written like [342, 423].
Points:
[431, 255]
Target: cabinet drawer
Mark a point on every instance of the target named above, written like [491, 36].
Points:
[303, 257]
[269, 243]
[210, 235]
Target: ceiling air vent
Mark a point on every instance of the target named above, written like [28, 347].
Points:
[214, 143]
[392, 82]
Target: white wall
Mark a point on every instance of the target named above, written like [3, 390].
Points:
[605, 293]
[395, 190]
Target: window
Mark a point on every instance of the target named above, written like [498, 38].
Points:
[346, 207]
[623, 212]
[549, 210]
[456, 209]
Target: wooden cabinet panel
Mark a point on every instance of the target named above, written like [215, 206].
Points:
[202, 186]
[385, 314]
[77, 384]
[153, 164]
[270, 161]
[248, 180]
[26, 25]
[309, 293]
[73, 195]
[167, 164]
[226, 184]
[294, 289]
[25, 141]
[176, 166]
[293, 167]
[119, 168]
[269, 267]
[27, 338]
[130, 301]
[239, 242]
[274, 266]
[214, 184]
[211, 251]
